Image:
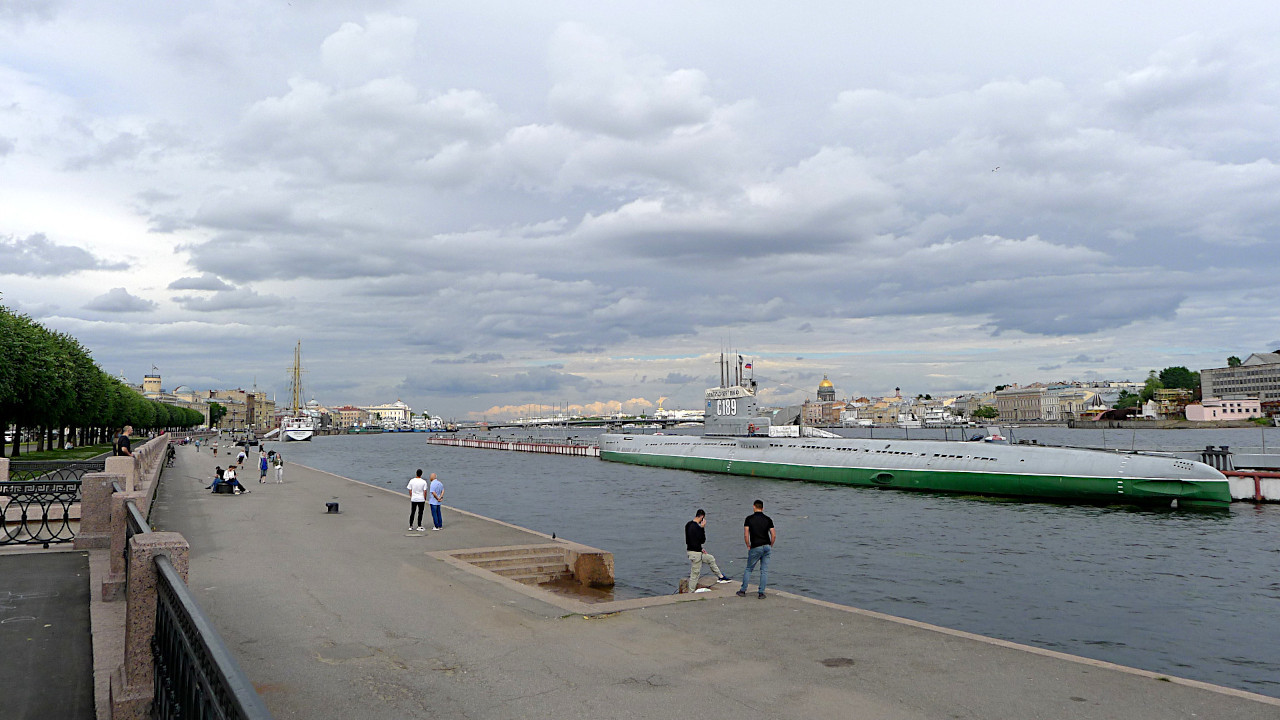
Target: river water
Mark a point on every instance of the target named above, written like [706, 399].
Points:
[1189, 593]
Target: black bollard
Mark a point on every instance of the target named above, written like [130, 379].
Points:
[331, 507]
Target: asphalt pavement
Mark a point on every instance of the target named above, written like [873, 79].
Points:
[348, 615]
[46, 650]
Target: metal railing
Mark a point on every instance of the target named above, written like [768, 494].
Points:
[38, 512]
[196, 676]
[53, 470]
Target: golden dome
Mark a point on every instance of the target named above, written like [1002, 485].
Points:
[825, 383]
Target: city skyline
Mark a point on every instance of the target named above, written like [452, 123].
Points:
[482, 207]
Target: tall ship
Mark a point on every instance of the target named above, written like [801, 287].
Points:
[740, 439]
[298, 424]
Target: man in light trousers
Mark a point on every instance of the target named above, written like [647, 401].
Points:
[695, 535]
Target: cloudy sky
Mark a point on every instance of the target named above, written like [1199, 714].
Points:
[475, 206]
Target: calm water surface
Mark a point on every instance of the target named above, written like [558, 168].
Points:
[1194, 594]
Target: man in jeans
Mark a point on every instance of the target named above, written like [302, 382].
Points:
[759, 535]
[695, 535]
[417, 488]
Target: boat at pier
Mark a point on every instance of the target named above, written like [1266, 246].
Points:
[298, 424]
[739, 439]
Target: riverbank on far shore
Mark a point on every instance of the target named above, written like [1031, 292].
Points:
[347, 614]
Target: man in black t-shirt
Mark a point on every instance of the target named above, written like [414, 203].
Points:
[759, 535]
[695, 535]
[122, 444]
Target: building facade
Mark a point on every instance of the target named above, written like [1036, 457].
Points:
[1020, 404]
[1211, 409]
[1256, 377]
[395, 414]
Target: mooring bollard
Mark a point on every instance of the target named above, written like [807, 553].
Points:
[331, 507]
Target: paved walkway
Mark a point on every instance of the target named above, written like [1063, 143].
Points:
[346, 615]
[46, 655]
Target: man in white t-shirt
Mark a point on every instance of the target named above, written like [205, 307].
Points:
[417, 488]
[437, 496]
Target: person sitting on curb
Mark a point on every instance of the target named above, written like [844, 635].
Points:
[229, 477]
[695, 535]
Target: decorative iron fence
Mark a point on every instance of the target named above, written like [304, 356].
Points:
[38, 512]
[195, 674]
[53, 470]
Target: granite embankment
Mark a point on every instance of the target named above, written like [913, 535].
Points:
[347, 615]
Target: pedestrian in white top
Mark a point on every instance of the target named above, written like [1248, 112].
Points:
[437, 496]
[417, 488]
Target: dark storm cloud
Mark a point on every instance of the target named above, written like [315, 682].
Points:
[576, 349]
[202, 282]
[473, 358]
[536, 380]
[245, 258]
[235, 299]
[37, 256]
[118, 300]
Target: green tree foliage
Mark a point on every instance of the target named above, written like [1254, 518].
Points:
[1233, 361]
[986, 412]
[216, 412]
[1152, 385]
[1179, 377]
[49, 381]
[1127, 400]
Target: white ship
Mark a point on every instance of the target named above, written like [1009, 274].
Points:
[298, 424]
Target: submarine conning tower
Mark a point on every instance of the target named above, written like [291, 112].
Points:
[731, 408]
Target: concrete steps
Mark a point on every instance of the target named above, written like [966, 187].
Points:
[531, 565]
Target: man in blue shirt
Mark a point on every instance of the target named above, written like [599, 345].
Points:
[436, 497]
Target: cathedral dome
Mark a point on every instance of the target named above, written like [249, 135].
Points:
[826, 390]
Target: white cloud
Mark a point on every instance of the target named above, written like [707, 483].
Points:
[118, 300]
[618, 194]
[381, 47]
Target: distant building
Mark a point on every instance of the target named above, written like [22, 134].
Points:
[395, 414]
[1020, 404]
[1211, 409]
[349, 416]
[1256, 377]
[826, 411]
[181, 396]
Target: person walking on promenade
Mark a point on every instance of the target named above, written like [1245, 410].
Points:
[695, 535]
[215, 448]
[759, 535]
[262, 466]
[197, 444]
[122, 445]
[437, 497]
[417, 488]
[240, 459]
[279, 460]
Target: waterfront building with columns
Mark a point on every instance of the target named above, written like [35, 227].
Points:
[393, 414]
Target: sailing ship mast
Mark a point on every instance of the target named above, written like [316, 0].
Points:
[296, 384]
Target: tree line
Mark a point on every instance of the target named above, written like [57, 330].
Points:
[49, 382]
